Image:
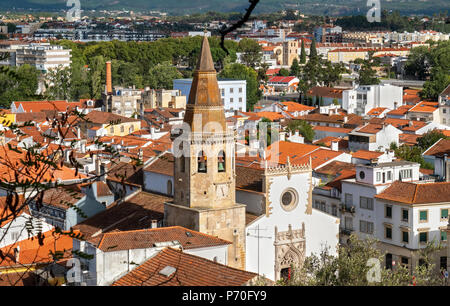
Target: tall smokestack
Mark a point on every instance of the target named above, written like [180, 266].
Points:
[109, 88]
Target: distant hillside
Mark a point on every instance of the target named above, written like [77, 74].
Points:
[178, 7]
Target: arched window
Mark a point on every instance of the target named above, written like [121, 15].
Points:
[169, 187]
[221, 162]
[202, 162]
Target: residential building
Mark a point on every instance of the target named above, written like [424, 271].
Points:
[43, 56]
[123, 101]
[407, 217]
[233, 93]
[373, 137]
[425, 111]
[108, 124]
[444, 106]
[155, 98]
[438, 155]
[280, 84]
[358, 211]
[361, 99]
[189, 269]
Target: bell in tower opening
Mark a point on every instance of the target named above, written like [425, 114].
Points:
[204, 174]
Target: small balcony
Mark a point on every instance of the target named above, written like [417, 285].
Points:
[347, 208]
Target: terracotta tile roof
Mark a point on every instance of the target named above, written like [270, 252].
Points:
[335, 167]
[331, 129]
[133, 214]
[272, 116]
[296, 107]
[441, 147]
[344, 175]
[127, 172]
[271, 71]
[164, 164]
[32, 252]
[39, 106]
[249, 218]
[103, 189]
[105, 118]
[401, 110]
[409, 139]
[60, 197]
[318, 157]
[249, 178]
[370, 128]
[425, 107]
[367, 155]
[146, 238]
[10, 165]
[282, 149]
[376, 111]
[280, 79]
[352, 119]
[410, 193]
[446, 91]
[35, 116]
[327, 92]
[327, 141]
[10, 209]
[190, 271]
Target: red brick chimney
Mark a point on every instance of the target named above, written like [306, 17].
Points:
[109, 88]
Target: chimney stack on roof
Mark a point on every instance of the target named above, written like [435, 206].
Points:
[109, 89]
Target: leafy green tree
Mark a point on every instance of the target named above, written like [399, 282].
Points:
[303, 53]
[58, 83]
[335, 101]
[313, 50]
[419, 63]
[430, 138]
[413, 154]
[304, 128]
[241, 72]
[18, 84]
[162, 75]
[97, 76]
[283, 72]
[251, 52]
[295, 68]
[354, 266]
[367, 75]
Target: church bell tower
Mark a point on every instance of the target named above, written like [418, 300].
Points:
[204, 170]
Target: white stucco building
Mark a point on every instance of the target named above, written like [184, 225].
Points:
[363, 98]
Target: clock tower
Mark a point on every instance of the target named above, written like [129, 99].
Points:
[204, 170]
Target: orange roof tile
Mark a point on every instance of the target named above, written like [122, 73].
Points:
[34, 250]
[410, 193]
[425, 107]
[368, 155]
[190, 271]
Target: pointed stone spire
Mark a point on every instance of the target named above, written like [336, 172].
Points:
[205, 61]
[205, 103]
